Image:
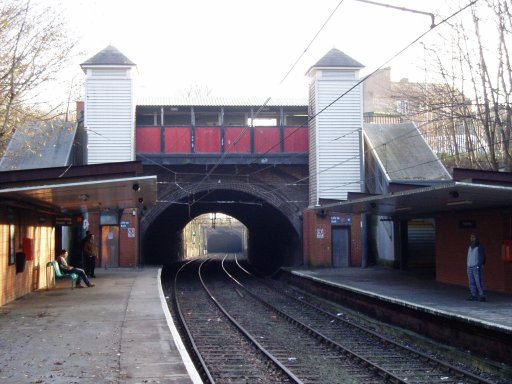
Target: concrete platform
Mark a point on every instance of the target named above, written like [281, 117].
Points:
[419, 291]
[117, 332]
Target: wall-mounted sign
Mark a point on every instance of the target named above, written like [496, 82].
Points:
[320, 233]
[341, 219]
[467, 224]
[124, 224]
[131, 232]
[63, 221]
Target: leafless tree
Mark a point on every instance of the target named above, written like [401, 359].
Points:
[196, 92]
[467, 109]
[34, 47]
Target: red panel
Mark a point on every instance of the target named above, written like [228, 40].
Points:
[148, 140]
[28, 248]
[177, 140]
[207, 139]
[266, 140]
[237, 140]
[296, 139]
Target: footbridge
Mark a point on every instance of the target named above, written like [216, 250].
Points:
[229, 159]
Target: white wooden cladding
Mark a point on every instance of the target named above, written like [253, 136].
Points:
[335, 136]
[109, 116]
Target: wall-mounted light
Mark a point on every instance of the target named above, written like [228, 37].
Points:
[83, 197]
[136, 187]
[461, 202]
[321, 213]
[141, 200]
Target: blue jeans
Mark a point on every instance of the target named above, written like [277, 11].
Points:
[81, 275]
[476, 283]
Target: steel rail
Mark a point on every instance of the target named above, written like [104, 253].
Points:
[284, 369]
[319, 336]
[431, 360]
[183, 324]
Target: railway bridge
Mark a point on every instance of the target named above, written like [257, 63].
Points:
[226, 157]
[261, 161]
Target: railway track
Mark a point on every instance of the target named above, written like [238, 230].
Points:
[302, 341]
[221, 351]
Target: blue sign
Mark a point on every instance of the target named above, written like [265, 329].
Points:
[341, 219]
[125, 224]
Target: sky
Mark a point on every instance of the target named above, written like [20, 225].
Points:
[240, 48]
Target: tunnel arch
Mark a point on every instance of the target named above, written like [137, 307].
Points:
[274, 225]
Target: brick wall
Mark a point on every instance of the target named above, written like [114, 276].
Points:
[452, 241]
[129, 246]
[318, 239]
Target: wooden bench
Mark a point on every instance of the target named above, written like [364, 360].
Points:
[59, 275]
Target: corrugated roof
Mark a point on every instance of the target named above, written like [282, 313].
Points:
[108, 56]
[403, 152]
[337, 59]
[430, 200]
[221, 101]
[39, 145]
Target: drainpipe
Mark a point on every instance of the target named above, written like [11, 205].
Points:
[364, 239]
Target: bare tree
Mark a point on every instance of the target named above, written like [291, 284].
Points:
[196, 92]
[466, 111]
[34, 47]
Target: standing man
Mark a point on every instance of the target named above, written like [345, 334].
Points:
[90, 252]
[475, 263]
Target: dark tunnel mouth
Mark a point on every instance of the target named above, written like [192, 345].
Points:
[272, 240]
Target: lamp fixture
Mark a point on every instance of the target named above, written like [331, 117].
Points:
[461, 202]
[136, 187]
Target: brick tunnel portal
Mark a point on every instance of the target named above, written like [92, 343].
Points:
[274, 228]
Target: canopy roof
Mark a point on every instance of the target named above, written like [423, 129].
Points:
[471, 190]
[80, 189]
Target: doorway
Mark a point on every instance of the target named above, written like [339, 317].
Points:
[341, 246]
[109, 246]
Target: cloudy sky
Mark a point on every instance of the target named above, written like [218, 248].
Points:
[244, 47]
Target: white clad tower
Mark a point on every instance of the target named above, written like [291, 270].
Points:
[109, 111]
[335, 128]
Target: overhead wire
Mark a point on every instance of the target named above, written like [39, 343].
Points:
[221, 159]
[421, 36]
[210, 172]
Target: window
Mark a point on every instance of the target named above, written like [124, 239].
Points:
[262, 122]
[402, 106]
[296, 119]
[177, 118]
[207, 118]
[234, 118]
[12, 244]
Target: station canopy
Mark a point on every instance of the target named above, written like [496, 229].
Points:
[470, 190]
[79, 189]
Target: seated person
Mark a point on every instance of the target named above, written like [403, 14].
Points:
[68, 269]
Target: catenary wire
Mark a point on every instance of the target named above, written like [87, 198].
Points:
[394, 56]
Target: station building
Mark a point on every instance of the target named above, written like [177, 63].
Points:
[372, 199]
